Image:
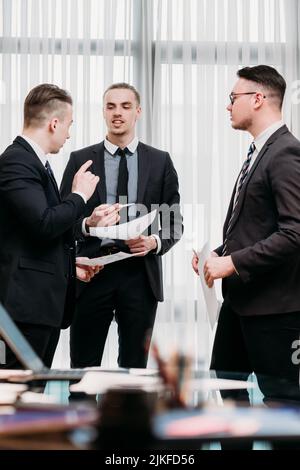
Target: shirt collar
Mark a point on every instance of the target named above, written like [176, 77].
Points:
[262, 138]
[37, 149]
[112, 148]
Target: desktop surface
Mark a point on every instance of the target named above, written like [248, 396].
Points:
[206, 418]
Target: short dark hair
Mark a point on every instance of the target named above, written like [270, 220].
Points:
[126, 86]
[268, 77]
[43, 100]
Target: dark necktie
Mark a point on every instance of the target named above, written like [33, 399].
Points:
[243, 176]
[122, 187]
[51, 175]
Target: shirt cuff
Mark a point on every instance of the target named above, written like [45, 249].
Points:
[83, 229]
[158, 241]
[82, 195]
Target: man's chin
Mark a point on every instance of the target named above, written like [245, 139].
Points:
[237, 127]
[117, 131]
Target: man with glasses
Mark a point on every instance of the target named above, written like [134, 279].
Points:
[259, 260]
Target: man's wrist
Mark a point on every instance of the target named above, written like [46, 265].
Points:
[81, 194]
[157, 244]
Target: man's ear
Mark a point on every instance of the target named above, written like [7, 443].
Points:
[53, 124]
[259, 99]
[139, 112]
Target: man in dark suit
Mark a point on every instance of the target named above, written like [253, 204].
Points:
[37, 256]
[130, 289]
[259, 260]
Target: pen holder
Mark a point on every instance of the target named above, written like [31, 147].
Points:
[125, 419]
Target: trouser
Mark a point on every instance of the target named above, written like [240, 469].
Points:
[120, 290]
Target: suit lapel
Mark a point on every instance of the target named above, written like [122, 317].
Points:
[229, 211]
[143, 171]
[54, 185]
[28, 147]
[99, 169]
[258, 159]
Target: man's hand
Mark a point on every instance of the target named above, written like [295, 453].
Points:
[217, 268]
[86, 273]
[195, 261]
[142, 245]
[104, 215]
[84, 181]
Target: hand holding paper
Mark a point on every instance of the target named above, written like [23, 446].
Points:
[217, 267]
[209, 293]
[127, 231]
[104, 215]
[141, 245]
[85, 271]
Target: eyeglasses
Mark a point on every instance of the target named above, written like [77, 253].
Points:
[233, 95]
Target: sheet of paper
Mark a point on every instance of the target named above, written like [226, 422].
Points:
[108, 259]
[207, 384]
[132, 229]
[210, 297]
[99, 382]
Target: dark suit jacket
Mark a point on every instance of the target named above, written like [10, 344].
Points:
[157, 184]
[36, 240]
[264, 240]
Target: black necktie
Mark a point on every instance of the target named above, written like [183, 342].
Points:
[51, 175]
[122, 187]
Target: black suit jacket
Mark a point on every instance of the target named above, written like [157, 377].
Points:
[264, 240]
[36, 240]
[157, 185]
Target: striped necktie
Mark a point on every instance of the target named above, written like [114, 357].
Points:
[243, 176]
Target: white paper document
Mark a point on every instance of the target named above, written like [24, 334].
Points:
[95, 382]
[127, 231]
[210, 297]
[108, 259]
[219, 384]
